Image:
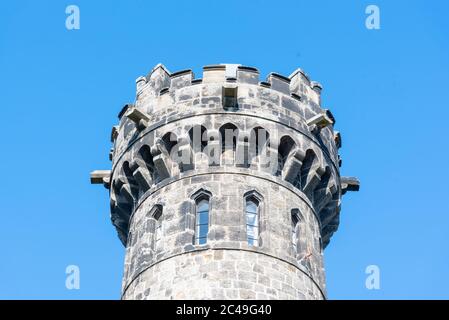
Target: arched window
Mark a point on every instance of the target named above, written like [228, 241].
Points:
[252, 221]
[202, 219]
[295, 231]
[156, 214]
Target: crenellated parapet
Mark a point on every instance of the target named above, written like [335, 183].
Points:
[163, 97]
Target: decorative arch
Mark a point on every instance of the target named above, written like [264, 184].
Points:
[322, 185]
[198, 138]
[228, 137]
[310, 173]
[200, 193]
[259, 140]
[286, 146]
[169, 141]
[121, 198]
[134, 189]
[145, 154]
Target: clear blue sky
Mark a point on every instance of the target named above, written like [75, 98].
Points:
[61, 91]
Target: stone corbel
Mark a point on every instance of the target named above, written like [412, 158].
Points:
[312, 180]
[185, 154]
[292, 166]
[242, 157]
[162, 162]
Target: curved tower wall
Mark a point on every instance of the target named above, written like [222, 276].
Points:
[263, 156]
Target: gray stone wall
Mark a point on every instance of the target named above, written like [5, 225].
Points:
[223, 274]
[282, 151]
[227, 236]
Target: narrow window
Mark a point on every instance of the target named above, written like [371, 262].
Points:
[156, 213]
[229, 93]
[202, 220]
[252, 221]
[295, 220]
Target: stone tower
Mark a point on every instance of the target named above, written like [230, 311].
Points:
[225, 187]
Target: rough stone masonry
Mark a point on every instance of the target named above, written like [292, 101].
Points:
[225, 187]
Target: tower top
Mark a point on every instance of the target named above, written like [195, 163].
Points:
[225, 185]
[163, 97]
